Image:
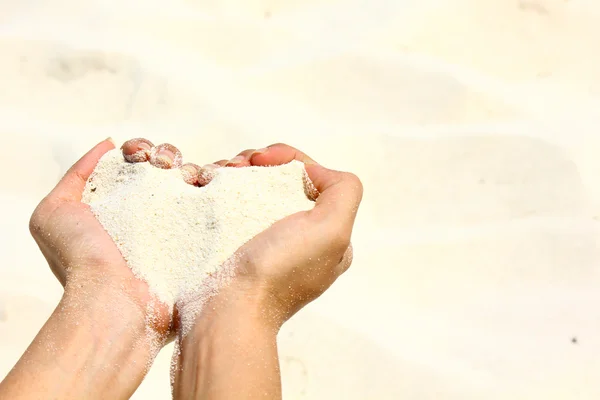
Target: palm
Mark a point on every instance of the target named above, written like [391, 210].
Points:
[299, 257]
[83, 242]
[289, 259]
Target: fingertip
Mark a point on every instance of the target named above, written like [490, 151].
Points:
[357, 183]
[207, 173]
[256, 154]
[87, 163]
[257, 159]
[137, 150]
[166, 156]
[319, 176]
[340, 195]
[71, 186]
[190, 172]
[241, 160]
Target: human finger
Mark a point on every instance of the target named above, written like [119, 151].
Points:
[137, 150]
[165, 156]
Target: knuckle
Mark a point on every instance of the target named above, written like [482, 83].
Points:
[35, 222]
[39, 216]
[355, 181]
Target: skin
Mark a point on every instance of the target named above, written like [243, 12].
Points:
[231, 352]
[276, 274]
[68, 359]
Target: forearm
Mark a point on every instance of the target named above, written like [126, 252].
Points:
[94, 346]
[229, 354]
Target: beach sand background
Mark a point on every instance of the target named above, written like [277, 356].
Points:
[474, 125]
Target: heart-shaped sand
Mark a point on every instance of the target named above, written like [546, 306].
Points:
[173, 235]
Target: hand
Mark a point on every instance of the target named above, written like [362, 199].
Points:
[106, 316]
[298, 258]
[275, 274]
[78, 249]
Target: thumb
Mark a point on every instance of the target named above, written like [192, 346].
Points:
[72, 184]
[340, 194]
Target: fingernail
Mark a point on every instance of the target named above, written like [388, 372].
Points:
[110, 139]
[236, 160]
[166, 156]
[190, 172]
[144, 146]
[165, 153]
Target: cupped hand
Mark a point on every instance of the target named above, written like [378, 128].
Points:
[80, 252]
[299, 257]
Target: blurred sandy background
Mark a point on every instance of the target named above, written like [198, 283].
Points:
[474, 125]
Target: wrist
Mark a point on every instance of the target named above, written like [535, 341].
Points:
[95, 345]
[230, 337]
[124, 296]
[238, 303]
[103, 310]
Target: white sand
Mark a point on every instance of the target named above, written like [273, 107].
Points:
[472, 123]
[174, 235]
